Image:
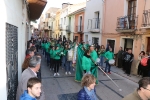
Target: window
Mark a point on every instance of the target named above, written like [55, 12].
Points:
[80, 23]
[52, 24]
[96, 20]
[132, 13]
[61, 20]
[95, 40]
[132, 8]
[58, 22]
[64, 20]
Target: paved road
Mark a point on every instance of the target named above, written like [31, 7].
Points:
[65, 88]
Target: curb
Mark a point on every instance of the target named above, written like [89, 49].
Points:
[124, 76]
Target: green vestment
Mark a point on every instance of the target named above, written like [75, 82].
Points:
[94, 68]
[79, 70]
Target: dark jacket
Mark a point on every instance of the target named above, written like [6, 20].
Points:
[119, 54]
[82, 95]
[132, 96]
[26, 96]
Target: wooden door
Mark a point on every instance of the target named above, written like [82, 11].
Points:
[148, 44]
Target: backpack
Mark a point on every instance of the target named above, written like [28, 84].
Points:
[144, 61]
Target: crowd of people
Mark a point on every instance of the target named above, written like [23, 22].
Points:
[125, 59]
[69, 55]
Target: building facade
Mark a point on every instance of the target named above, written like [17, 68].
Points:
[93, 21]
[50, 13]
[123, 27]
[41, 25]
[57, 30]
[79, 25]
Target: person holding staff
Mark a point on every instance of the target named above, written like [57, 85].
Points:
[86, 62]
[94, 68]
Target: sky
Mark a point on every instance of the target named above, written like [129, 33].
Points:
[58, 3]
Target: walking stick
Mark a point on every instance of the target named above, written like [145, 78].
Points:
[106, 74]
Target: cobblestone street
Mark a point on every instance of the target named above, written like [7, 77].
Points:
[65, 88]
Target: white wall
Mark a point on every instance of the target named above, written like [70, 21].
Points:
[64, 14]
[72, 26]
[11, 12]
[93, 6]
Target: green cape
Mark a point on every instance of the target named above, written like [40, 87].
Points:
[79, 73]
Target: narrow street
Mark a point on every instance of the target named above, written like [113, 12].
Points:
[65, 88]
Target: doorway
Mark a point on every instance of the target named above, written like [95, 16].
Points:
[95, 40]
[111, 43]
[148, 44]
[76, 38]
[86, 38]
[128, 44]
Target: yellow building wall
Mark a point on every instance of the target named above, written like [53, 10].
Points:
[56, 26]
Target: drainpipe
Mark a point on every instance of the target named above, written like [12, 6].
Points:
[104, 14]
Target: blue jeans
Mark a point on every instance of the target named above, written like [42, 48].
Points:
[64, 59]
[48, 58]
[108, 66]
[68, 66]
[46, 54]
[101, 61]
[43, 51]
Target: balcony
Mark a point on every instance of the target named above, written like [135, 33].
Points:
[127, 24]
[68, 29]
[146, 19]
[60, 27]
[46, 28]
[94, 25]
[79, 29]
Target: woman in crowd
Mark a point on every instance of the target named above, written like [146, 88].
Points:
[86, 62]
[138, 66]
[88, 91]
[68, 62]
[52, 57]
[56, 60]
[145, 65]
[102, 55]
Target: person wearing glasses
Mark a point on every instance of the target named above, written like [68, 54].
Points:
[143, 91]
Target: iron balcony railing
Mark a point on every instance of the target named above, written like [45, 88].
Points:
[94, 23]
[68, 28]
[79, 29]
[127, 22]
[146, 18]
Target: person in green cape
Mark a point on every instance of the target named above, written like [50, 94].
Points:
[79, 70]
[94, 68]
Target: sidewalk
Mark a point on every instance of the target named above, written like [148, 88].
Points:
[120, 72]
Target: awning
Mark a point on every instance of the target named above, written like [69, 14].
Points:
[36, 8]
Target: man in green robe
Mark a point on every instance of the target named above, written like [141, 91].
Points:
[79, 70]
[94, 68]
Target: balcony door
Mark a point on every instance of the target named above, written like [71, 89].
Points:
[132, 13]
[148, 44]
[96, 20]
[80, 24]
